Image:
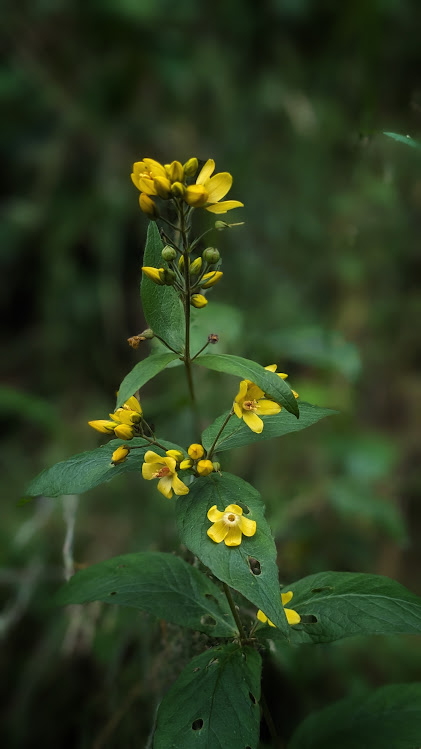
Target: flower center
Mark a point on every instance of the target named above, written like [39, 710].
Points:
[164, 471]
[250, 405]
[230, 518]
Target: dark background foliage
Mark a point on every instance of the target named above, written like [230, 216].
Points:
[291, 97]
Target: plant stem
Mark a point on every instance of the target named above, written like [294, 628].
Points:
[187, 359]
[212, 447]
[269, 720]
[234, 611]
[200, 350]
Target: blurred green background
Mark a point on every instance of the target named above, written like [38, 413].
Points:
[291, 97]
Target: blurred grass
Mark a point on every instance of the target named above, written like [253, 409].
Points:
[291, 98]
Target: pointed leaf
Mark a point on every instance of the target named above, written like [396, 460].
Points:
[404, 139]
[275, 387]
[161, 584]
[386, 717]
[141, 373]
[250, 567]
[214, 702]
[238, 434]
[161, 305]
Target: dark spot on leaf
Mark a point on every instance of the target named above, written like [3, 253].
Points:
[195, 670]
[197, 724]
[254, 565]
[208, 620]
[114, 593]
[212, 661]
[210, 597]
[320, 590]
[121, 565]
[309, 619]
[244, 507]
[252, 697]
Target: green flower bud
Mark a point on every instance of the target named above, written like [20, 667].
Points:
[178, 190]
[168, 253]
[190, 167]
[221, 225]
[148, 333]
[195, 266]
[216, 466]
[168, 277]
[211, 255]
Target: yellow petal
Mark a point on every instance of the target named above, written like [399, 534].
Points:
[149, 470]
[292, 616]
[248, 527]
[170, 462]
[139, 167]
[178, 486]
[147, 186]
[124, 432]
[254, 393]
[217, 531]
[151, 457]
[234, 536]
[286, 597]
[196, 195]
[135, 180]
[241, 395]
[237, 410]
[156, 169]
[253, 422]
[236, 509]
[226, 205]
[176, 454]
[214, 514]
[261, 616]
[165, 486]
[205, 172]
[267, 408]
[218, 186]
[186, 464]
[210, 279]
[133, 404]
[271, 367]
[102, 425]
[295, 394]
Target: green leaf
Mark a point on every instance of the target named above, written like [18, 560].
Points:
[269, 382]
[141, 373]
[233, 565]
[404, 139]
[238, 434]
[350, 603]
[214, 702]
[82, 472]
[161, 584]
[386, 717]
[318, 347]
[161, 305]
[360, 503]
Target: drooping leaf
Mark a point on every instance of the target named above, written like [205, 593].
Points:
[141, 373]
[214, 702]
[334, 605]
[161, 305]
[249, 568]
[161, 584]
[86, 470]
[275, 387]
[238, 434]
[363, 504]
[386, 717]
[404, 139]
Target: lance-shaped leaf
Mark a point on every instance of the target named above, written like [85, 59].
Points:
[214, 702]
[161, 584]
[275, 387]
[141, 373]
[238, 434]
[161, 305]
[250, 567]
[404, 139]
[386, 717]
[334, 605]
[86, 470]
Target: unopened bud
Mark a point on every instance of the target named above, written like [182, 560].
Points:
[168, 253]
[198, 301]
[154, 274]
[213, 338]
[178, 190]
[163, 187]
[211, 255]
[210, 279]
[148, 206]
[168, 277]
[190, 167]
[204, 467]
[124, 432]
[186, 464]
[216, 466]
[195, 266]
[196, 195]
[175, 171]
[181, 263]
[148, 334]
[196, 451]
[120, 455]
[221, 225]
[176, 454]
[102, 425]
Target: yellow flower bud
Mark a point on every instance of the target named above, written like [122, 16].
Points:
[163, 187]
[175, 171]
[196, 265]
[211, 278]
[191, 166]
[186, 464]
[123, 432]
[176, 454]
[148, 206]
[126, 416]
[178, 190]
[154, 274]
[198, 301]
[181, 263]
[102, 425]
[120, 455]
[204, 467]
[196, 451]
[196, 195]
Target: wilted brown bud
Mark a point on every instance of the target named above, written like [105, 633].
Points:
[135, 340]
[213, 338]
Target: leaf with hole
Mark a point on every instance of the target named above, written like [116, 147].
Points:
[161, 305]
[250, 567]
[275, 387]
[141, 373]
[161, 584]
[214, 702]
[238, 434]
[386, 717]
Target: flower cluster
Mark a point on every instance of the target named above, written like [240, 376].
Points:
[250, 403]
[123, 422]
[292, 616]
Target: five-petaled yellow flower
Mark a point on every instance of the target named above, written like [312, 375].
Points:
[291, 615]
[163, 468]
[230, 525]
[209, 191]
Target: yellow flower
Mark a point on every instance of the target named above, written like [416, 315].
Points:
[210, 279]
[120, 455]
[102, 425]
[154, 274]
[208, 191]
[198, 301]
[291, 615]
[157, 467]
[230, 525]
[196, 451]
[250, 404]
[204, 467]
[144, 173]
[148, 206]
